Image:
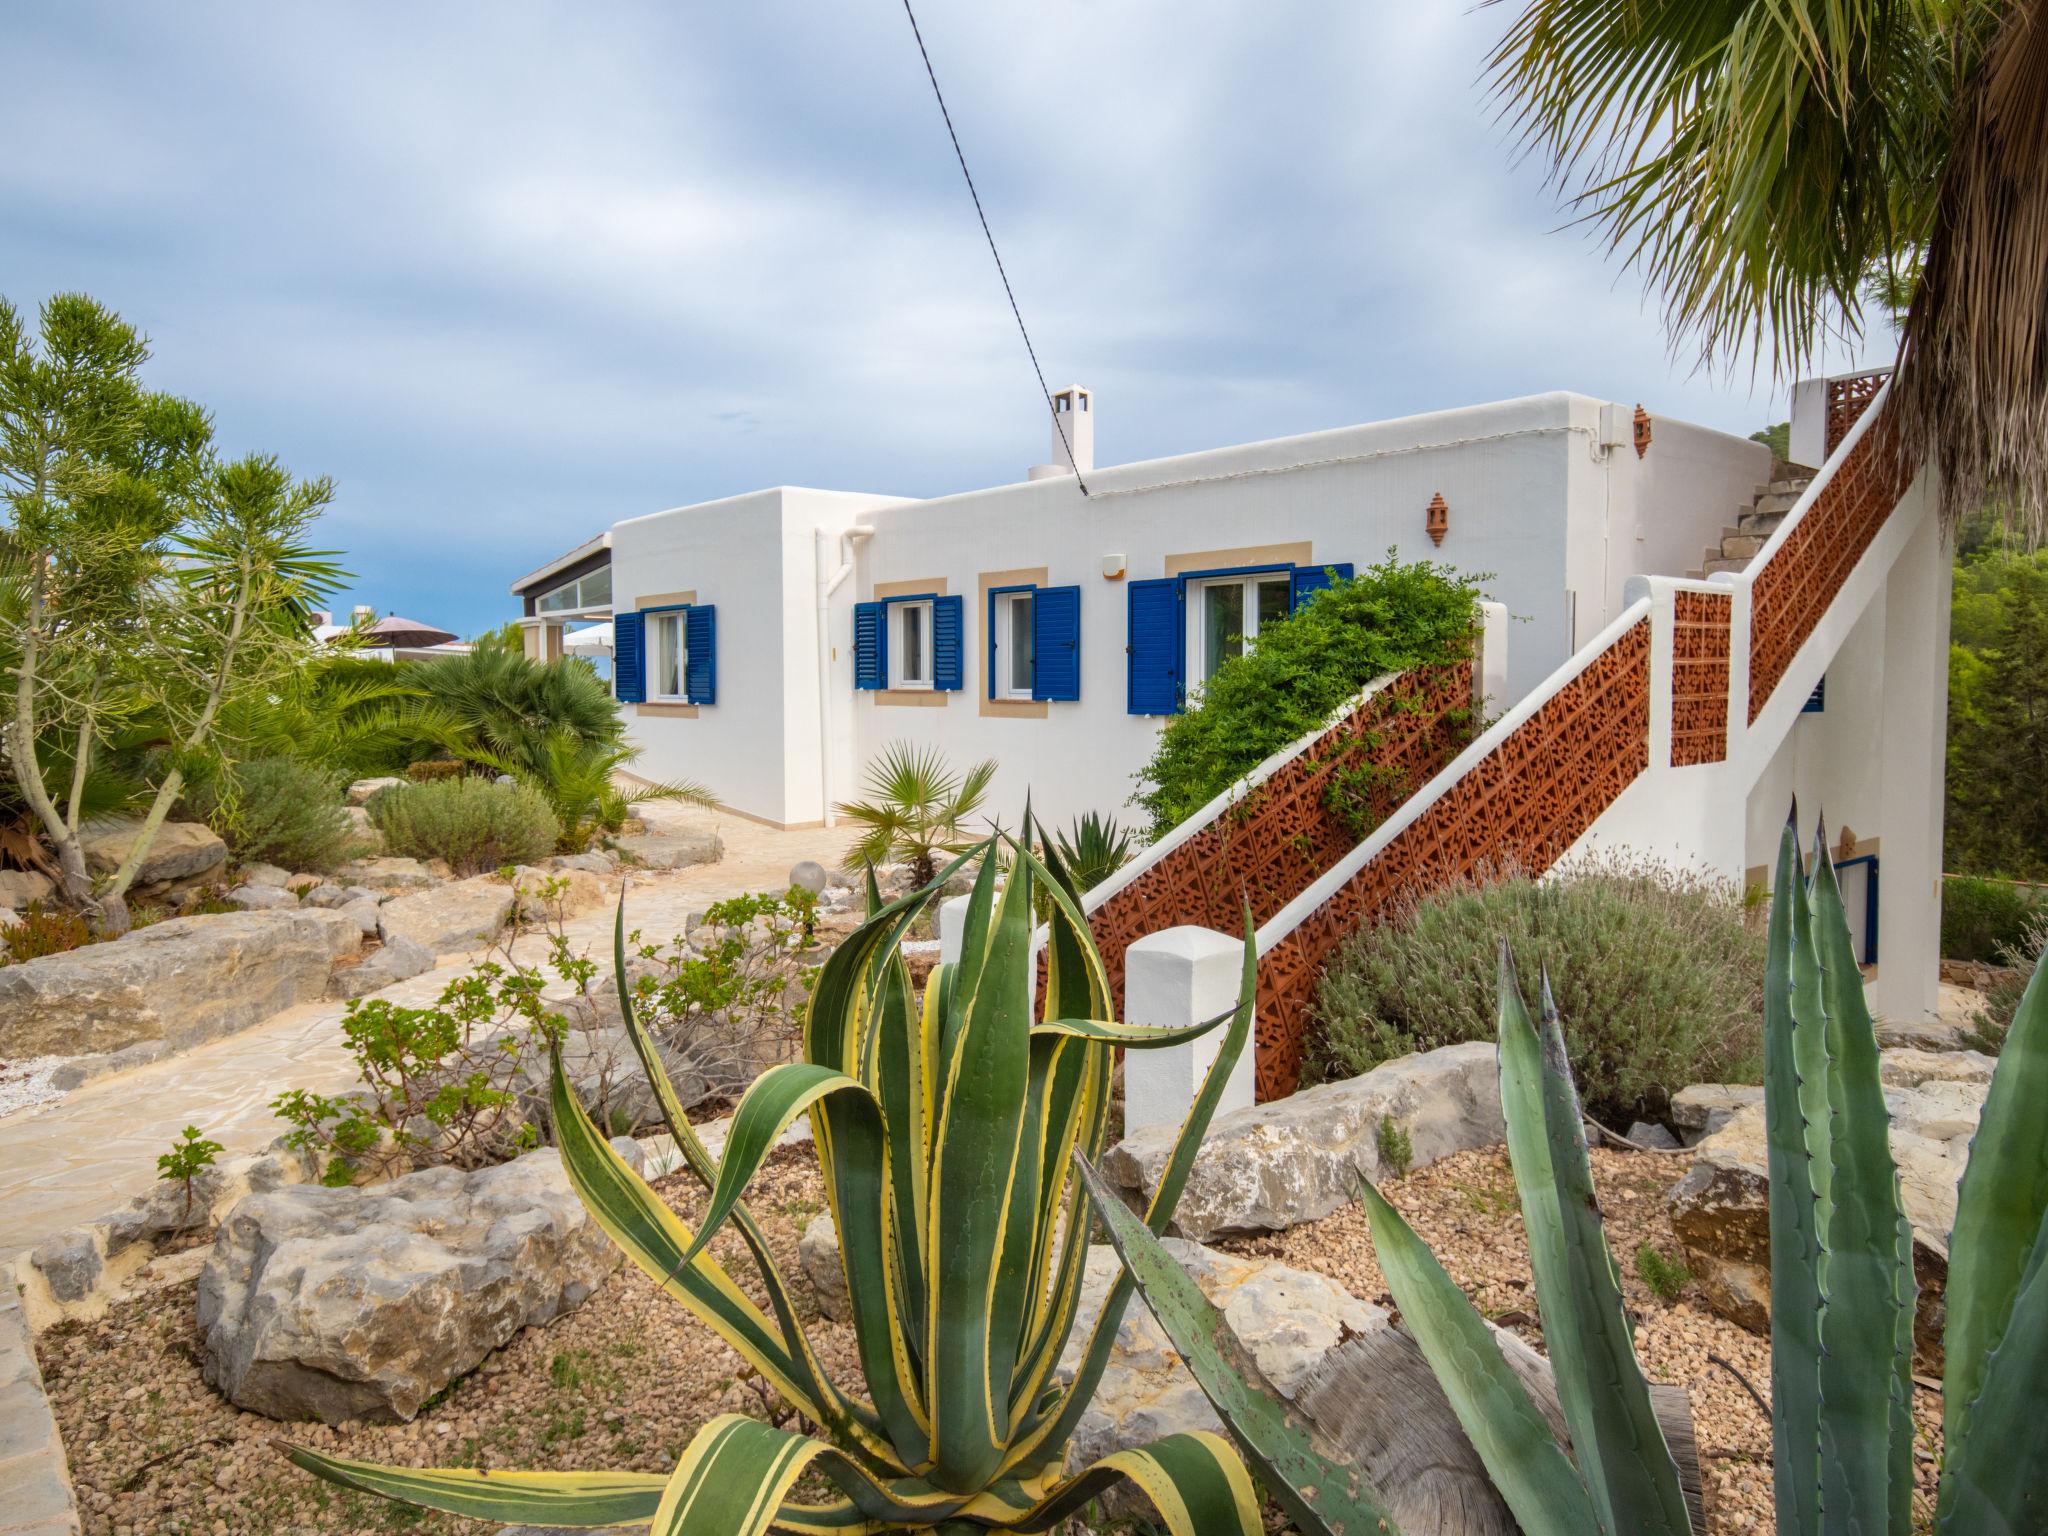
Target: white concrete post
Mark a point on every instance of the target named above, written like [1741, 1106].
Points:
[952, 928]
[1177, 977]
[1490, 676]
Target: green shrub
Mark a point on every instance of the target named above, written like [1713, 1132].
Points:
[1981, 919]
[1659, 978]
[1389, 618]
[1396, 1149]
[1989, 1023]
[475, 824]
[1666, 1277]
[278, 810]
[43, 931]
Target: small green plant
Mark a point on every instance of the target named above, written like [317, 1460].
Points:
[278, 810]
[1093, 849]
[475, 824]
[1982, 919]
[190, 1155]
[1992, 1020]
[1666, 1277]
[917, 809]
[43, 931]
[1396, 1150]
[1661, 975]
[579, 781]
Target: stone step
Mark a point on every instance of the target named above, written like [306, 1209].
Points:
[1722, 563]
[1759, 522]
[1742, 546]
[1776, 501]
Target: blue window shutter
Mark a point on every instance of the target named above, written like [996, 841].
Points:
[629, 657]
[1153, 654]
[949, 668]
[1311, 579]
[870, 668]
[1056, 643]
[988, 661]
[700, 637]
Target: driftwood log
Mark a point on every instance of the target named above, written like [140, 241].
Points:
[1375, 1402]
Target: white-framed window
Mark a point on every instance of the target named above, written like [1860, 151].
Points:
[668, 648]
[593, 590]
[910, 645]
[1224, 615]
[1015, 657]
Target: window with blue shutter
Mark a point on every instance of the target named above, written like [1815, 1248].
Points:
[1056, 643]
[870, 642]
[1155, 640]
[700, 667]
[949, 667]
[629, 658]
[1311, 579]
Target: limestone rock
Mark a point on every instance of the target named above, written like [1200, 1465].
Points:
[262, 898]
[672, 849]
[19, 887]
[1720, 1211]
[265, 874]
[1907, 1067]
[1287, 1318]
[606, 1073]
[367, 916]
[389, 874]
[1704, 1108]
[184, 980]
[1274, 1165]
[1923, 1035]
[399, 960]
[818, 1252]
[576, 891]
[338, 1304]
[359, 793]
[181, 850]
[463, 915]
[1645, 1133]
[327, 894]
[596, 861]
[368, 836]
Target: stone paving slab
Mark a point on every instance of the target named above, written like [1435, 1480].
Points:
[35, 1483]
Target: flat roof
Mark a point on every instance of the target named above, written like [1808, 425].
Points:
[583, 551]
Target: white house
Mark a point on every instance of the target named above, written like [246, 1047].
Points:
[770, 644]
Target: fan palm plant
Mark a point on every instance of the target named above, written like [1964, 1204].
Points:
[917, 808]
[943, 1133]
[581, 782]
[509, 709]
[1761, 161]
[1094, 849]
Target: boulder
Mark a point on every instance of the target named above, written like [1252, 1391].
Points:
[19, 887]
[1923, 1035]
[1274, 1165]
[1704, 1108]
[262, 898]
[399, 960]
[327, 894]
[671, 849]
[462, 915]
[597, 861]
[1720, 1212]
[338, 1304]
[1645, 1133]
[359, 792]
[366, 916]
[605, 1071]
[181, 850]
[1907, 1067]
[367, 834]
[184, 980]
[575, 891]
[389, 874]
[265, 874]
[818, 1252]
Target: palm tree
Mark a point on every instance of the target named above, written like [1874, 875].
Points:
[1760, 161]
[580, 782]
[916, 809]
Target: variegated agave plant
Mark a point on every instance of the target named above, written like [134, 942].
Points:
[944, 1132]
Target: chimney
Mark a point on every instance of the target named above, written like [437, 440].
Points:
[362, 615]
[1073, 434]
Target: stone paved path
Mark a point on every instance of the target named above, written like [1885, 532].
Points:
[92, 1150]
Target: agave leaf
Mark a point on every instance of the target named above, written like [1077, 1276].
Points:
[2000, 1487]
[1999, 1212]
[1795, 1239]
[1628, 1469]
[1132, 1037]
[1196, 1482]
[1866, 1321]
[1512, 1437]
[573, 1499]
[1320, 1493]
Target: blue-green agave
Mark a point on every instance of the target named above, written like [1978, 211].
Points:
[943, 1130]
[1842, 1290]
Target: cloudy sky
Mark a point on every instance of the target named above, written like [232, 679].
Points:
[511, 272]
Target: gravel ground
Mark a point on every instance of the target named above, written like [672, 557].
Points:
[25, 1084]
[625, 1381]
[1465, 1208]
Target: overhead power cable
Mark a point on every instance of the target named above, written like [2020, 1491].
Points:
[1058, 425]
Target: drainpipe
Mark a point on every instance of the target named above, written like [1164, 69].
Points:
[821, 544]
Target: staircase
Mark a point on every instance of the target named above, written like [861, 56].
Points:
[1755, 524]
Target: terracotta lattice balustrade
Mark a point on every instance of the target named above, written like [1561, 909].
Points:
[1699, 677]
